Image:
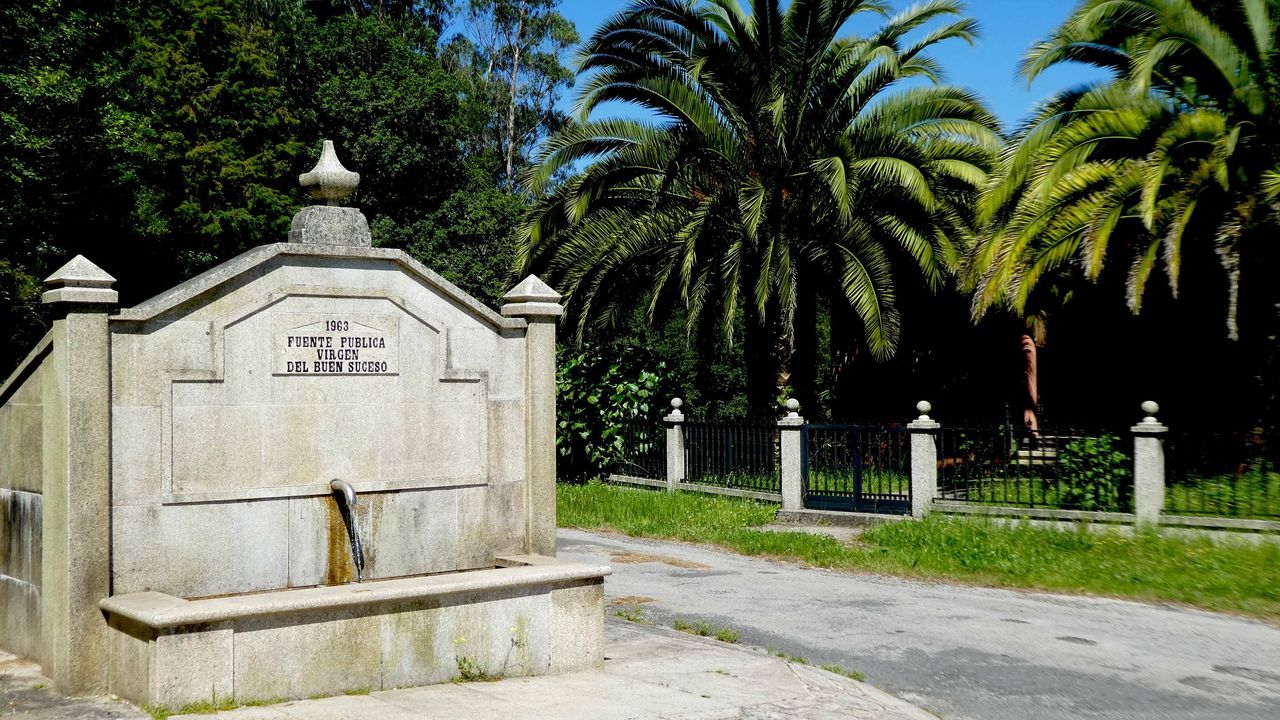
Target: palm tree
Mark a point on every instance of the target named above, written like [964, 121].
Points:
[1182, 144]
[779, 173]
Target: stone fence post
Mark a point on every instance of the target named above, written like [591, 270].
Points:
[791, 463]
[76, 534]
[676, 471]
[924, 460]
[1148, 466]
[539, 305]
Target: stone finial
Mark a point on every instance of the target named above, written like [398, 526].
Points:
[1150, 407]
[924, 408]
[80, 281]
[1149, 425]
[793, 407]
[924, 423]
[328, 180]
[532, 298]
[329, 224]
[675, 416]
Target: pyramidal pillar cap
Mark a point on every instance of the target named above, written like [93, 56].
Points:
[328, 224]
[80, 281]
[532, 298]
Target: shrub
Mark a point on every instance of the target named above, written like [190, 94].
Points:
[1094, 474]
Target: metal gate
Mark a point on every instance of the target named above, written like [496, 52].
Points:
[856, 468]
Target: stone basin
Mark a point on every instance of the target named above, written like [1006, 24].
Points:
[532, 615]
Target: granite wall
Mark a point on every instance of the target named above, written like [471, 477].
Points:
[239, 395]
[21, 506]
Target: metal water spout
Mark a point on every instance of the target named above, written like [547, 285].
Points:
[343, 489]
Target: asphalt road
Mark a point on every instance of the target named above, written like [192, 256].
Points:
[962, 652]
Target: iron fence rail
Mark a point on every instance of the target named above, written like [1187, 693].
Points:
[732, 455]
[643, 449]
[1223, 474]
[1063, 468]
[856, 467]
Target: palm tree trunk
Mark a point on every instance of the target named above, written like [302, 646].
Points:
[804, 352]
[1031, 384]
[764, 366]
[843, 354]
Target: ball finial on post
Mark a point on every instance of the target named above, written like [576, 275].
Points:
[676, 404]
[1150, 407]
[924, 408]
[793, 407]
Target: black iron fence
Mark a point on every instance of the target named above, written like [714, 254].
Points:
[1223, 474]
[742, 456]
[863, 468]
[1063, 468]
[643, 449]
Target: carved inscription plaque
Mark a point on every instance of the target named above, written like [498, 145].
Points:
[335, 344]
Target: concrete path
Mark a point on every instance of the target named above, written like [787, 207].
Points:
[962, 652]
[650, 674]
[25, 693]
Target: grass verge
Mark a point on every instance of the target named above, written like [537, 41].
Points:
[1231, 577]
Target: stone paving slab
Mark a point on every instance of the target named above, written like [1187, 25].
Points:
[25, 693]
[650, 673]
[655, 674]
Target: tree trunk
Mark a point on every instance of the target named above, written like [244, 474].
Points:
[1031, 385]
[759, 349]
[804, 353]
[843, 356]
[513, 89]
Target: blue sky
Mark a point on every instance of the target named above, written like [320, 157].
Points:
[1009, 27]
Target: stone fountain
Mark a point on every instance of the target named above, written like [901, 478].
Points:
[170, 533]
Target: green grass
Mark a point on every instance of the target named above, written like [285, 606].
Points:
[698, 627]
[727, 635]
[851, 674]
[702, 628]
[1233, 577]
[633, 614]
[1251, 495]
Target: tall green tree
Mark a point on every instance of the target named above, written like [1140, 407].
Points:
[785, 171]
[1181, 146]
[515, 50]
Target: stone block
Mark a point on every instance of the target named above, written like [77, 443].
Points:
[577, 628]
[26, 438]
[417, 647]
[506, 446]
[477, 542]
[192, 665]
[21, 531]
[20, 617]
[137, 472]
[505, 512]
[324, 225]
[129, 660]
[217, 447]
[414, 532]
[291, 657]
[203, 549]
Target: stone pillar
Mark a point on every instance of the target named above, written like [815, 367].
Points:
[791, 461]
[1148, 466]
[539, 305]
[676, 472]
[924, 460]
[76, 537]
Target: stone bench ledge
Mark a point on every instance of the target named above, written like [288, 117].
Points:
[159, 610]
